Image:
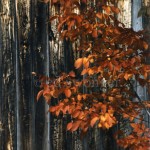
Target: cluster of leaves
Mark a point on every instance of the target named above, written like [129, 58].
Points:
[112, 55]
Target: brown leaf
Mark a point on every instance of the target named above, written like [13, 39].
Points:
[94, 33]
[53, 17]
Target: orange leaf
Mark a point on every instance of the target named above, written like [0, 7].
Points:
[78, 63]
[115, 9]
[86, 62]
[93, 121]
[99, 15]
[52, 109]
[39, 94]
[72, 74]
[107, 9]
[47, 97]
[79, 97]
[84, 71]
[76, 113]
[75, 125]
[145, 45]
[103, 108]
[127, 76]
[69, 126]
[67, 92]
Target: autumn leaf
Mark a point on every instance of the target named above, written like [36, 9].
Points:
[93, 121]
[69, 126]
[78, 63]
[75, 125]
[39, 94]
[79, 97]
[94, 33]
[107, 9]
[86, 62]
[84, 71]
[127, 76]
[52, 109]
[72, 74]
[67, 92]
[115, 9]
[99, 15]
[53, 17]
[76, 113]
[145, 45]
